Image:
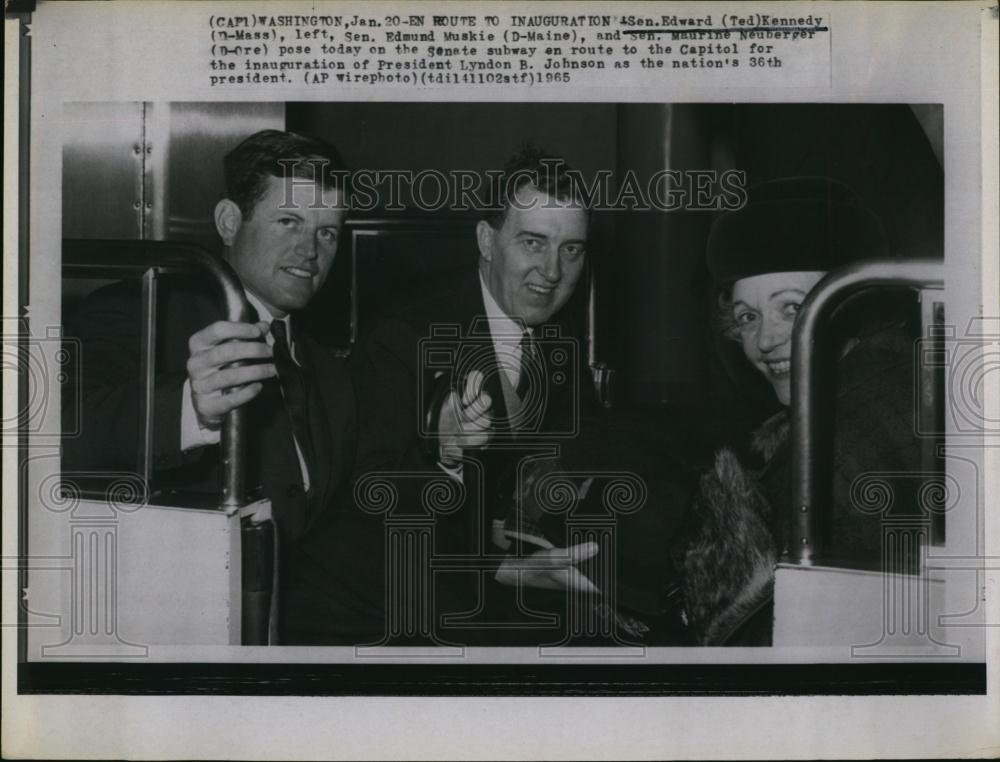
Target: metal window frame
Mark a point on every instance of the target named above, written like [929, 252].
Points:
[810, 417]
[148, 260]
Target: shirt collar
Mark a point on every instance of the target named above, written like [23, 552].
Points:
[263, 313]
[504, 329]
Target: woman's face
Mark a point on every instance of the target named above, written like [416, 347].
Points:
[764, 308]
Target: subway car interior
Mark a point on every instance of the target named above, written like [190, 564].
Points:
[668, 389]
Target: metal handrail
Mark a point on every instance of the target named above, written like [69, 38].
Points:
[807, 434]
[147, 259]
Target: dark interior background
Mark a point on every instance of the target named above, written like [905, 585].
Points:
[653, 300]
[148, 171]
[152, 171]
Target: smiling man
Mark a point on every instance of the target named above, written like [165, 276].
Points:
[471, 380]
[280, 220]
[532, 254]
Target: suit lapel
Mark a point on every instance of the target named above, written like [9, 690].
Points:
[481, 354]
[319, 420]
[272, 452]
[333, 421]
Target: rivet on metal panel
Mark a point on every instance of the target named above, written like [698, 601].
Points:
[149, 204]
[136, 205]
[149, 148]
[137, 149]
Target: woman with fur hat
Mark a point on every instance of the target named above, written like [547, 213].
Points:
[765, 259]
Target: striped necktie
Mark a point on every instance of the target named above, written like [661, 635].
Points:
[530, 368]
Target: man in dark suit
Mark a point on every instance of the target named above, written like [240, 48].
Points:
[480, 382]
[280, 221]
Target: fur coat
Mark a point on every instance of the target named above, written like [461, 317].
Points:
[741, 513]
[728, 564]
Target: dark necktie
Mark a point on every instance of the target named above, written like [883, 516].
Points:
[293, 386]
[529, 366]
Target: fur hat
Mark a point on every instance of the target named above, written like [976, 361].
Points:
[793, 224]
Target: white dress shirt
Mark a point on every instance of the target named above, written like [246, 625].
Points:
[506, 334]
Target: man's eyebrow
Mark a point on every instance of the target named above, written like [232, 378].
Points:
[532, 233]
[790, 289]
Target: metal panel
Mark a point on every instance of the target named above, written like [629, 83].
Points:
[185, 145]
[102, 170]
[152, 170]
[115, 581]
[865, 613]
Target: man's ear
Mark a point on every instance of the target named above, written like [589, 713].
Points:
[484, 237]
[228, 219]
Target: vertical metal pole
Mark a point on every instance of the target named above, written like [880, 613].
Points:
[233, 462]
[233, 435]
[807, 501]
[147, 372]
[234, 493]
[355, 235]
[931, 393]
[591, 317]
[810, 416]
[601, 374]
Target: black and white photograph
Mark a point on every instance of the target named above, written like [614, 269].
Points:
[544, 388]
[569, 361]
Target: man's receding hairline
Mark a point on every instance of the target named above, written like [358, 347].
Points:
[567, 201]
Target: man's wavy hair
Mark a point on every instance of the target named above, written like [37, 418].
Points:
[548, 173]
[274, 153]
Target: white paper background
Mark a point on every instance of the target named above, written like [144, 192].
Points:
[884, 52]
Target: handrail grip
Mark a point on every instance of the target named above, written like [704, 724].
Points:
[96, 257]
[809, 504]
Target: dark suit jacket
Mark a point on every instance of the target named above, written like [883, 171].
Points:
[406, 361]
[108, 328]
